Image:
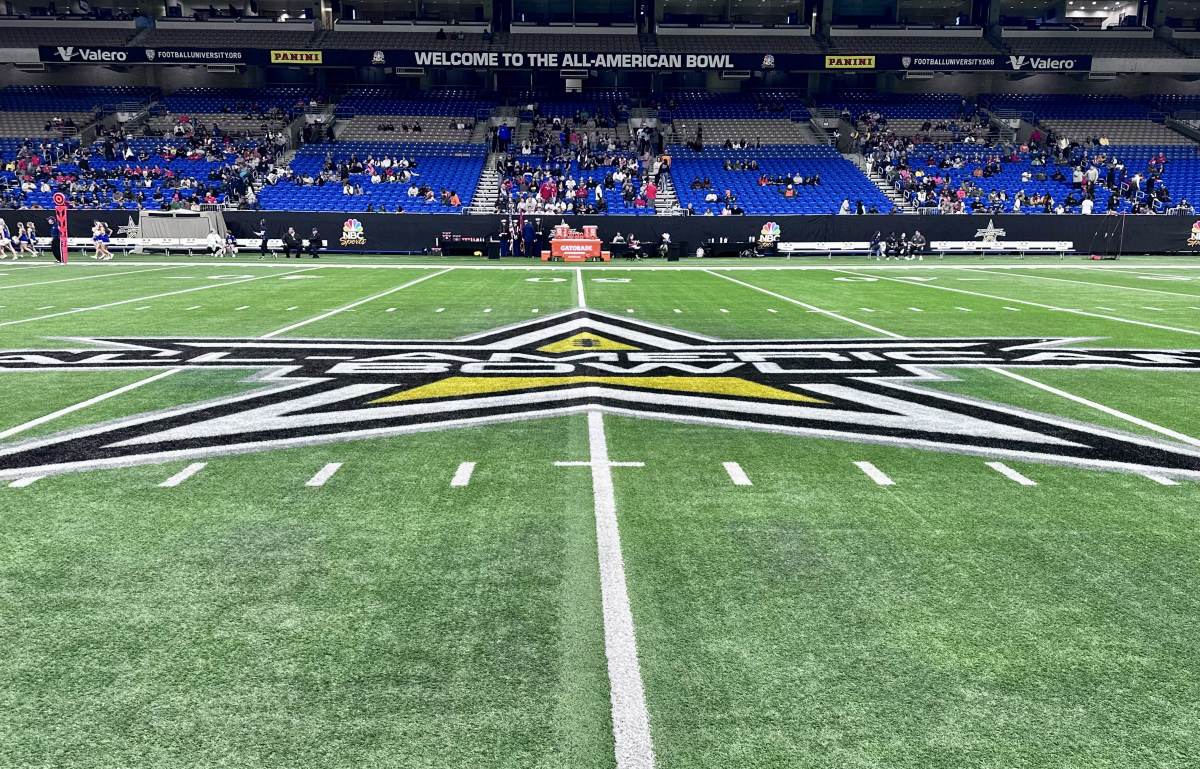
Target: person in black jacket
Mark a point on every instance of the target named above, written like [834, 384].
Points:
[314, 243]
[291, 243]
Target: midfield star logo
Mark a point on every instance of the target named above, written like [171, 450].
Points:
[322, 391]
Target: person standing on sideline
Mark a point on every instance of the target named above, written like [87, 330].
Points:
[6, 240]
[55, 234]
[261, 233]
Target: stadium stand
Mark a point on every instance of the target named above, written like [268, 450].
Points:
[242, 33]
[1120, 43]
[22, 32]
[407, 35]
[909, 40]
[354, 176]
[776, 179]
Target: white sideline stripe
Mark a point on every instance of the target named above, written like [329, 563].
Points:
[324, 474]
[89, 277]
[105, 306]
[875, 474]
[579, 297]
[737, 474]
[1099, 407]
[807, 306]
[1017, 274]
[28, 480]
[462, 476]
[182, 475]
[1161, 480]
[84, 404]
[1010, 473]
[632, 743]
[352, 305]
[1130, 321]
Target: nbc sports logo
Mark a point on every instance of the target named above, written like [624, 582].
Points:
[352, 233]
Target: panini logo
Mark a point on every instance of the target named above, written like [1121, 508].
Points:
[296, 57]
[849, 62]
[325, 391]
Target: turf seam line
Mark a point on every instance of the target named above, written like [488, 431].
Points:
[121, 302]
[1130, 321]
[352, 305]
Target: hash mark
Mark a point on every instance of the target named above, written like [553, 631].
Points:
[487, 309]
[964, 309]
[1154, 309]
[737, 474]
[390, 309]
[772, 311]
[1011, 474]
[629, 310]
[440, 309]
[1106, 309]
[724, 310]
[866, 309]
[916, 309]
[1011, 309]
[243, 307]
[462, 476]
[293, 307]
[195, 307]
[182, 475]
[47, 307]
[875, 474]
[324, 474]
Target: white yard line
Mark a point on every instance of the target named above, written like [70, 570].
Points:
[805, 305]
[737, 474]
[1010, 473]
[1047, 388]
[90, 277]
[352, 305]
[324, 474]
[1130, 321]
[1161, 480]
[875, 474]
[1016, 274]
[105, 306]
[462, 476]
[1098, 407]
[28, 480]
[85, 404]
[182, 475]
[579, 288]
[632, 742]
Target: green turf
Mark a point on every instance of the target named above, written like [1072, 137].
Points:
[811, 620]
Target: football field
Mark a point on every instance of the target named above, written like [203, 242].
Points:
[451, 515]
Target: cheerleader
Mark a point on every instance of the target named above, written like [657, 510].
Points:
[27, 238]
[6, 239]
[97, 229]
[100, 239]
